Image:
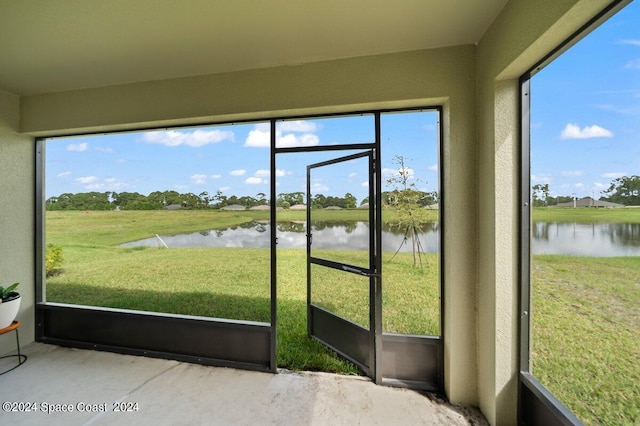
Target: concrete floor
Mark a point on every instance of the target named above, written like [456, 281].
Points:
[170, 392]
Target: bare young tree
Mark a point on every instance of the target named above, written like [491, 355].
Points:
[405, 199]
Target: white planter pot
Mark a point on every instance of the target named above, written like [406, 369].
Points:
[8, 312]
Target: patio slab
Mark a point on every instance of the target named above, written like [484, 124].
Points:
[89, 384]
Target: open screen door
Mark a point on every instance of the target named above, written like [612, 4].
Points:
[342, 298]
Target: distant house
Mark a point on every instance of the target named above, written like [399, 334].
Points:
[298, 207]
[263, 207]
[589, 202]
[233, 207]
[173, 207]
[333, 208]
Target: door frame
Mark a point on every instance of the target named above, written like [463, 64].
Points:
[350, 340]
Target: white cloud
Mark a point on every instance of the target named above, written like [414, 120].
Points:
[543, 178]
[260, 136]
[224, 188]
[319, 187]
[433, 168]
[573, 131]
[599, 185]
[292, 140]
[86, 179]
[63, 174]
[574, 173]
[631, 42]
[365, 184]
[79, 147]
[255, 181]
[110, 184]
[579, 185]
[216, 176]
[101, 149]
[352, 175]
[297, 126]
[634, 64]
[199, 179]
[95, 187]
[614, 175]
[387, 172]
[194, 139]
[239, 172]
[267, 173]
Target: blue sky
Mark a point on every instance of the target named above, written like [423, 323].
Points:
[585, 132]
[585, 111]
[235, 158]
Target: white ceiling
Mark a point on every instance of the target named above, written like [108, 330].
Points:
[58, 45]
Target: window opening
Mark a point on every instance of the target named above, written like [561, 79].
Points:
[582, 248]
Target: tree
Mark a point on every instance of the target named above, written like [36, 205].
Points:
[261, 199]
[405, 199]
[540, 195]
[624, 190]
[204, 199]
[219, 200]
[349, 201]
[287, 199]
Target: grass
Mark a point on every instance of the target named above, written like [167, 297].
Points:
[586, 215]
[208, 281]
[585, 313]
[586, 329]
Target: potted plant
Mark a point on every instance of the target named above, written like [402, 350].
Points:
[9, 305]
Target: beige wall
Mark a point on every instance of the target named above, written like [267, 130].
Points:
[479, 91]
[16, 216]
[523, 34]
[434, 77]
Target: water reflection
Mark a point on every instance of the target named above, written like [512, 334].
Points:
[352, 235]
[577, 239]
[586, 239]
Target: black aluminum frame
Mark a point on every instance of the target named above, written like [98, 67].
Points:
[222, 342]
[536, 405]
[350, 340]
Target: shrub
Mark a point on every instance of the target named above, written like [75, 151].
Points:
[53, 260]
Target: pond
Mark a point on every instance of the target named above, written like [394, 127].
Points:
[326, 235]
[586, 239]
[577, 239]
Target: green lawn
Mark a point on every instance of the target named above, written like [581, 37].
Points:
[586, 334]
[209, 282]
[587, 215]
[585, 314]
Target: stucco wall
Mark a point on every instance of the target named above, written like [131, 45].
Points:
[434, 77]
[523, 34]
[479, 91]
[16, 216]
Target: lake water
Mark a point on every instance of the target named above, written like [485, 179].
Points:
[586, 239]
[334, 235]
[600, 239]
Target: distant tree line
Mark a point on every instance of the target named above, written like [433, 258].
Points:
[158, 200]
[624, 190]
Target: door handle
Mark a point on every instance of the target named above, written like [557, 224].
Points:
[358, 271]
